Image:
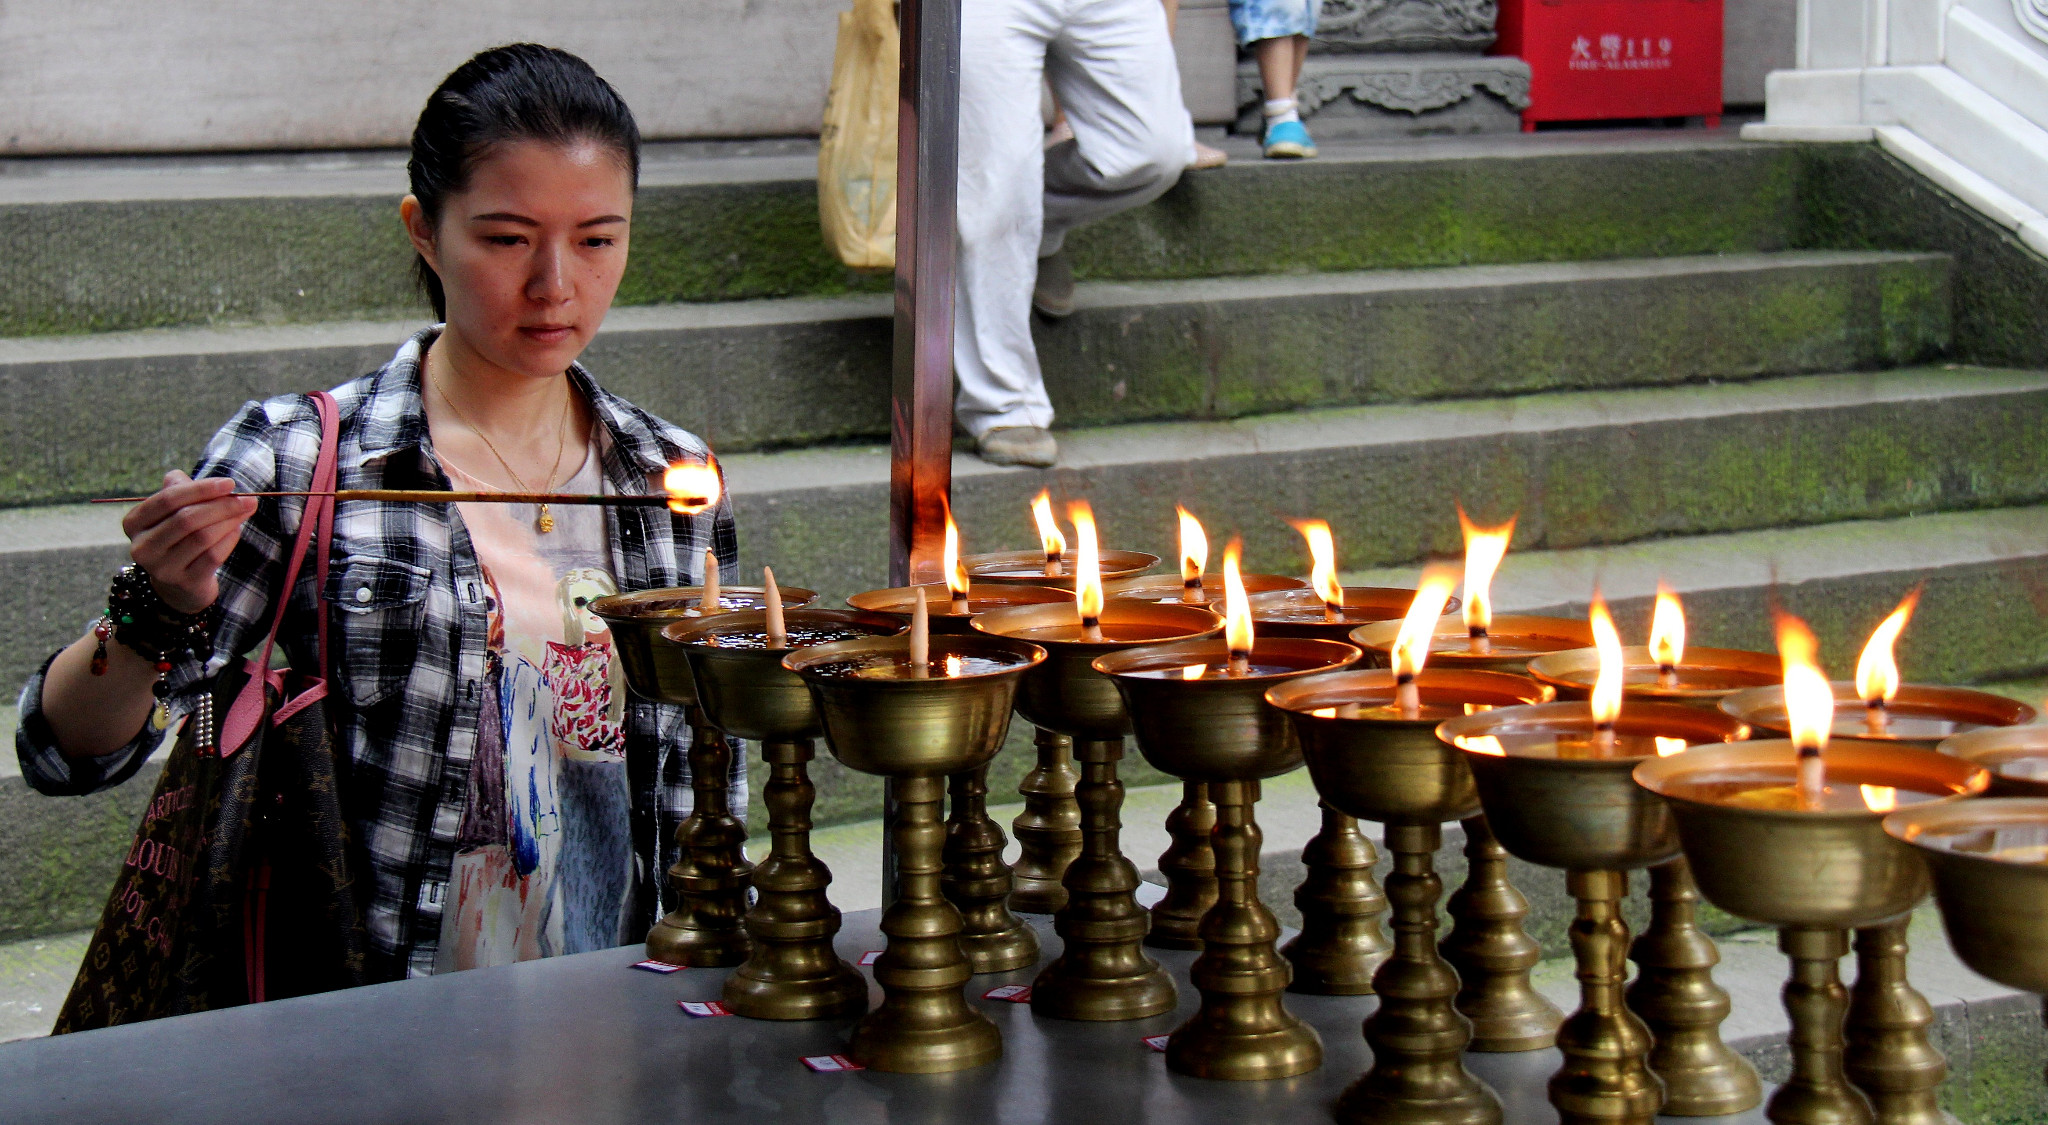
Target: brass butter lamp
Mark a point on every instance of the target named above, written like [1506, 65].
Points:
[1555, 780]
[1488, 944]
[916, 710]
[1370, 743]
[1188, 865]
[1674, 991]
[978, 880]
[1048, 831]
[1788, 832]
[1199, 712]
[1102, 973]
[1989, 861]
[1890, 1053]
[736, 661]
[1341, 944]
[2016, 756]
[711, 875]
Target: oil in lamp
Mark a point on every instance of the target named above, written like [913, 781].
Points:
[1199, 711]
[1787, 832]
[711, 874]
[1102, 973]
[1889, 1054]
[1989, 860]
[1487, 943]
[1370, 742]
[1556, 782]
[916, 710]
[736, 660]
[1674, 991]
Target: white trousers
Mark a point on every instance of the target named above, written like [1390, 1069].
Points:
[1112, 67]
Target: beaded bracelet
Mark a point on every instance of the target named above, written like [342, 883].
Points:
[138, 618]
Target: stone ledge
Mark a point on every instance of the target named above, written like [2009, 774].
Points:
[93, 415]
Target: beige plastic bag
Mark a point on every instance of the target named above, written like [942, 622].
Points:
[857, 147]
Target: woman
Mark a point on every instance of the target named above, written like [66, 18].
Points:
[510, 800]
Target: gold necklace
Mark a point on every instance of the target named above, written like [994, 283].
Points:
[546, 520]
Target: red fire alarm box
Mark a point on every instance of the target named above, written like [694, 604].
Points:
[1602, 59]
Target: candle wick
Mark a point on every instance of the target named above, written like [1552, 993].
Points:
[1191, 591]
[1603, 735]
[1813, 784]
[1091, 629]
[1408, 696]
[960, 603]
[1332, 612]
[1667, 675]
[1240, 662]
[1876, 716]
[1054, 567]
[1480, 643]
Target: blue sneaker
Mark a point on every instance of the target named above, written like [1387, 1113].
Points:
[1289, 140]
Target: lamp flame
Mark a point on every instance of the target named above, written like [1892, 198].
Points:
[1322, 553]
[1411, 645]
[1237, 610]
[1194, 549]
[1484, 549]
[1877, 674]
[949, 560]
[1880, 798]
[1809, 701]
[1606, 699]
[693, 486]
[1087, 563]
[1669, 746]
[1048, 530]
[1667, 629]
[1481, 744]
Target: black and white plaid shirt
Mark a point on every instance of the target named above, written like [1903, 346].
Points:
[407, 659]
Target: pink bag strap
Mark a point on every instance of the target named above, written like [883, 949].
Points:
[316, 531]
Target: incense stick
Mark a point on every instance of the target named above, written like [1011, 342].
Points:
[437, 496]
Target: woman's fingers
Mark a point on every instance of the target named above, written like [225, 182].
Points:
[179, 491]
[182, 551]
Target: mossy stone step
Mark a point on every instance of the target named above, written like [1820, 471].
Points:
[111, 412]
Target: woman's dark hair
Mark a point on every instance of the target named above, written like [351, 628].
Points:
[521, 92]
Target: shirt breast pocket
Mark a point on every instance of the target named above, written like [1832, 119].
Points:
[380, 604]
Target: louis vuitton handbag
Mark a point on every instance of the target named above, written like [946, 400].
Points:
[238, 886]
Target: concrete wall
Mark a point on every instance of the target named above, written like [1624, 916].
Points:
[94, 76]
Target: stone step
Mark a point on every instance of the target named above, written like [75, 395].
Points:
[112, 411]
[1582, 468]
[125, 243]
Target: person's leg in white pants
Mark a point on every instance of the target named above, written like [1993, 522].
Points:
[1111, 64]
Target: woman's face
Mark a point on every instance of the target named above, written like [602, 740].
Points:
[531, 252]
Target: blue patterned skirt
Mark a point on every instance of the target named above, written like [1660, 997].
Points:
[1272, 19]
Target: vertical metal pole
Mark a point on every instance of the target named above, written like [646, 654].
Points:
[921, 390]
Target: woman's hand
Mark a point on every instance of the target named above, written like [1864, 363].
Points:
[182, 534]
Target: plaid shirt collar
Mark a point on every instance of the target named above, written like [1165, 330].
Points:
[393, 419]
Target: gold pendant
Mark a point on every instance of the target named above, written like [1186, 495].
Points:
[546, 521]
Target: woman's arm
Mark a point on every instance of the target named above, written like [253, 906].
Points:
[180, 536]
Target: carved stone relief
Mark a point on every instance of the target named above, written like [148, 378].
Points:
[1413, 25]
[2033, 15]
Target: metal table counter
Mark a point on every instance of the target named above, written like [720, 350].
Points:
[590, 1041]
